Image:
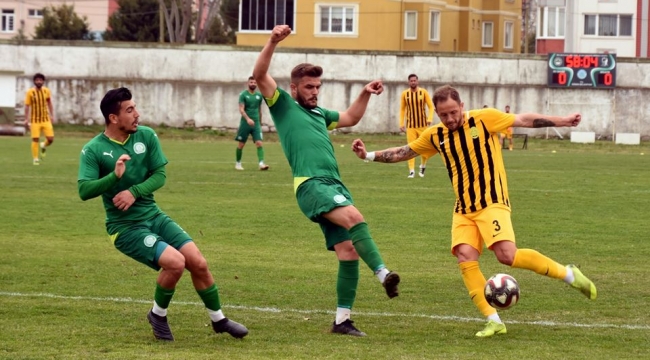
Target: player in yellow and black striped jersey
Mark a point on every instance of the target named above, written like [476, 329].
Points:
[39, 116]
[413, 118]
[468, 144]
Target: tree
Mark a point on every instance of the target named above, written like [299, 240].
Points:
[63, 23]
[136, 20]
[230, 16]
[218, 33]
[178, 16]
[203, 27]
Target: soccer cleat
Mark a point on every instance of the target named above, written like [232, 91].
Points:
[264, 167]
[36, 162]
[43, 148]
[346, 328]
[233, 328]
[421, 173]
[238, 166]
[492, 328]
[583, 283]
[390, 284]
[160, 327]
[411, 175]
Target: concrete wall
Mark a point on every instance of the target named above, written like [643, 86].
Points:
[175, 85]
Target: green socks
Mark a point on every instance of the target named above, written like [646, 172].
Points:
[210, 297]
[346, 285]
[260, 154]
[366, 247]
[238, 154]
[163, 296]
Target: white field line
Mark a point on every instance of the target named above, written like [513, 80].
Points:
[379, 314]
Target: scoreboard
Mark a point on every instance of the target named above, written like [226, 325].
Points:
[573, 70]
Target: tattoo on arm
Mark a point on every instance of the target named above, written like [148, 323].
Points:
[538, 123]
[396, 154]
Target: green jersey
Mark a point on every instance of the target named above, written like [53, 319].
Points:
[252, 103]
[304, 137]
[97, 160]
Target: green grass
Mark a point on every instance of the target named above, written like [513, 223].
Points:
[66, 293]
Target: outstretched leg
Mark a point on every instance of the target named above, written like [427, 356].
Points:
[208, 292]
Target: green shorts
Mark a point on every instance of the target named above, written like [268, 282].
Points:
[145, 241]
[246, 130]
[318, 196]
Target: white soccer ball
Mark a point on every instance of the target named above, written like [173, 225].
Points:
[502, 291]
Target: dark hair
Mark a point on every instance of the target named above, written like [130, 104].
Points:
[445, 92]
[412, 75]
[251, 78]
[39, 76]
[305, 69]
[112, 102]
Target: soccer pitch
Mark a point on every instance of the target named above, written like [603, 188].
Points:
[66, 293]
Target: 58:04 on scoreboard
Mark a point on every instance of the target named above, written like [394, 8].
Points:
[582, 70]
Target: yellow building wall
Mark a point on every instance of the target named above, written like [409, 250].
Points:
[380, 26]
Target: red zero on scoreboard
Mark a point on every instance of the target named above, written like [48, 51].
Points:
[582, 70]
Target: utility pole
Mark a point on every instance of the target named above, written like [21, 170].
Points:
[161, 24]
[524, 4]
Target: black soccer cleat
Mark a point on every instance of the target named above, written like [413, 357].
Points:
[346, 328]
[160, 327]
[233, 328]
[390, 284]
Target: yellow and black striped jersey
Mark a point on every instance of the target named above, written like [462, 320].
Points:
[37, 101]
[472, 157]
[412, 110]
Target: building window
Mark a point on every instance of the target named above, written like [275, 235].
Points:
[7, 21]
[488, 30]
[608, 25]
[263, 15]
[411, 25]
[35, 13]
[337, 19]
[552, 21]
[508, 35]
[434, 26]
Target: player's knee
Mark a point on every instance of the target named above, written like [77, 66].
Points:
[50, 140]
[175, 264]
[197, 265]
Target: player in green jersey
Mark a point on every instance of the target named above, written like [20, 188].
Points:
[250, 123]
[137, 227]
[303, 130]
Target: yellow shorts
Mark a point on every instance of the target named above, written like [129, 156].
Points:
[484, 227]
[45, 127]
[413, 133]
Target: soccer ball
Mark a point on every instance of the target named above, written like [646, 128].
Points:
[501, 291]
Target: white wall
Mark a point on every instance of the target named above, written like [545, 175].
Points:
[7, 90]
[174, 85]
[576, 41]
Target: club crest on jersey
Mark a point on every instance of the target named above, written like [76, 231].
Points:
[139, 148]
[339, 198]
[149, 240]
[474, 132]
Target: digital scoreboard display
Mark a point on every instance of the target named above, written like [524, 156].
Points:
[570, 70]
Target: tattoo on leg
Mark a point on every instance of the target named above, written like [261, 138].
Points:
[538, 123]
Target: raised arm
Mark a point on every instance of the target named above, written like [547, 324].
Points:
[354, 113]
[530, 120]
[390, 155]
[265, 82]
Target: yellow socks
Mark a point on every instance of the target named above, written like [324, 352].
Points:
[533, 260]
[35, 149]
[475, 282]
